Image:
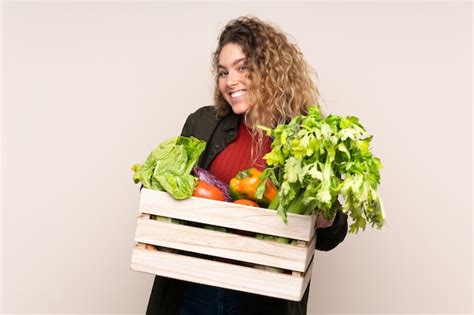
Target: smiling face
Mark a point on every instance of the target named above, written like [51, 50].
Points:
[233, 80]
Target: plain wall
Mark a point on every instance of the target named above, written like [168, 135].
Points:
[91, 88]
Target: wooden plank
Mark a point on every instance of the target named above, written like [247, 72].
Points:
[220, 274]
[311, 246]
[307, 277]
[227, 214]
[226, 245]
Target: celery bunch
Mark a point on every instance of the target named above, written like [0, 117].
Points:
[316, 161]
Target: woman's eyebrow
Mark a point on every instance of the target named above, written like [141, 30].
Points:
[233, 63]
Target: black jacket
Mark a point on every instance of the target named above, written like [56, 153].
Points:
[166, 294]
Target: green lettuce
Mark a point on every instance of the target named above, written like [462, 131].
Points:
[168, 167]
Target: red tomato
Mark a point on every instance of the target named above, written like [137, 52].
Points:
[205, 190]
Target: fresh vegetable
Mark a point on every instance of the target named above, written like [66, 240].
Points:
[317, 161]
[205, 190]
[214, 228]
[244, 186]
[269, 268]
[165, 219]
[169, 165]
[207, 177]
[278, 239]
[246, 202]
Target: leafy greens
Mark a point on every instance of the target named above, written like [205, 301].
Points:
[314, 161]
[168, 167]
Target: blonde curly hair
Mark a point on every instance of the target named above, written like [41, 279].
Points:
[280, 80]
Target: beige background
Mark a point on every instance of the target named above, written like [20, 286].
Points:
[90, 88]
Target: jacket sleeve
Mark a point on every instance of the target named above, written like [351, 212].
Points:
[330, 237]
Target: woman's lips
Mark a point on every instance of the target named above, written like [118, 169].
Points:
[237, 96]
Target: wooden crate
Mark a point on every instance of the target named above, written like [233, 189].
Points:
[229, 260]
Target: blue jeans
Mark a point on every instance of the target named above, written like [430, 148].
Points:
[200, 299]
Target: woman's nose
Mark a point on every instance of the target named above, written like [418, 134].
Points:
[232, 79]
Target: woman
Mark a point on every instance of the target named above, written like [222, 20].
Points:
[261, 79]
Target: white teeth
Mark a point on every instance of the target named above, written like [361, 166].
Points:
[237, 94]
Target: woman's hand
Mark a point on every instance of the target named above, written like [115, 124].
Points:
[322, 222]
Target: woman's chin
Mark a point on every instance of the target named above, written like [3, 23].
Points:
[239, 108]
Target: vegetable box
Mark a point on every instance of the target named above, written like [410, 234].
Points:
[185, 248]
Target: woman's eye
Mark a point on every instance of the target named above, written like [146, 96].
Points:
[243, 68]
[222, 74]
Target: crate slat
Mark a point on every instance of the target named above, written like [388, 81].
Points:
[221, 274]
[226, 245]
[227, 214]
